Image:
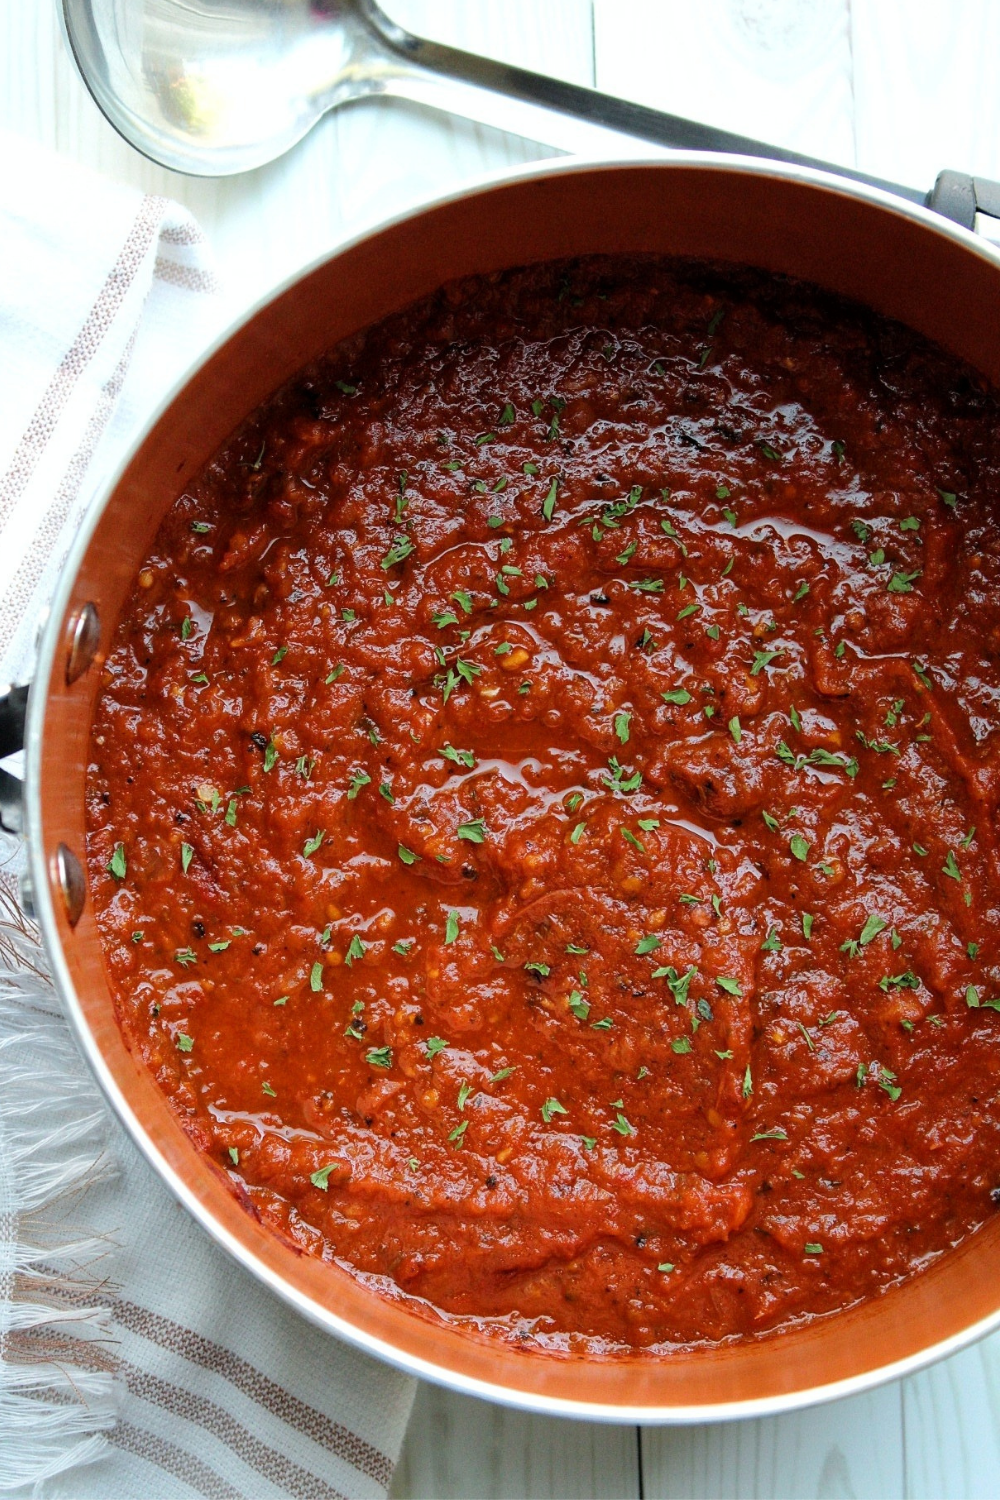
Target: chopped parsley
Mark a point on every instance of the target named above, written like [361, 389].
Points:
[763, 659]
[400, 549]
[873, 926]
[549, 503]
[458, 757]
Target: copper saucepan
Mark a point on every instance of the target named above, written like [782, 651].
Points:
[905, 262]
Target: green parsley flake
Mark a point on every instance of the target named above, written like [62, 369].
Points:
[451, 929]
[549, 503]
[458, 757]
[117, 864]
[873, 926]
[578, 1005]
[763, 659]
[358, 780]
[184, 1042]
[400, 549]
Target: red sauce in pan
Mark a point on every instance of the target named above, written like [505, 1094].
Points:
[542, 805]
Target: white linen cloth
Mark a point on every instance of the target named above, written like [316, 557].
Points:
[135, 1358]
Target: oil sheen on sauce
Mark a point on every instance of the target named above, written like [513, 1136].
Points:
[542, 806]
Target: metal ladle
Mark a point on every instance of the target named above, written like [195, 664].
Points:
[216, 87]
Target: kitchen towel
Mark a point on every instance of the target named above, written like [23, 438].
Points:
[135, 1358]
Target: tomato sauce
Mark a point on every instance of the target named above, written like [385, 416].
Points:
[542, 806]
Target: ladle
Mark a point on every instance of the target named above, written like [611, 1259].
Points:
[216, 87]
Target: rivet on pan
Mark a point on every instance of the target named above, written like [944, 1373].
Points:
[83, 637]
[67, 873]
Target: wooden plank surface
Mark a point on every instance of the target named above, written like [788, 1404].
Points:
[460, 1447]
[901, 87]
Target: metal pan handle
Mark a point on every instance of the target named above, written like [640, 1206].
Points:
[13, 709]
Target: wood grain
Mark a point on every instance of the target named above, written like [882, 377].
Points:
[460, 1447]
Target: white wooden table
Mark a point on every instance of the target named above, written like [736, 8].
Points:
[897, 87]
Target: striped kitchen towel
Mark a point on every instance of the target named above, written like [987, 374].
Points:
[136, 1360]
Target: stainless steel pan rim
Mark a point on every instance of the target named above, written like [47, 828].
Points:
[39, 872]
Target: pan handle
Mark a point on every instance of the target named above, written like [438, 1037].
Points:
[13, 709]
[973, 202]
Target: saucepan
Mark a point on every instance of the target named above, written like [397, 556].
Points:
[901, 259]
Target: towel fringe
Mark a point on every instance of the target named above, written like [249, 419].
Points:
[59, 1393]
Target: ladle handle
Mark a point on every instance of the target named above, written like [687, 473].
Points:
[578, 119]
